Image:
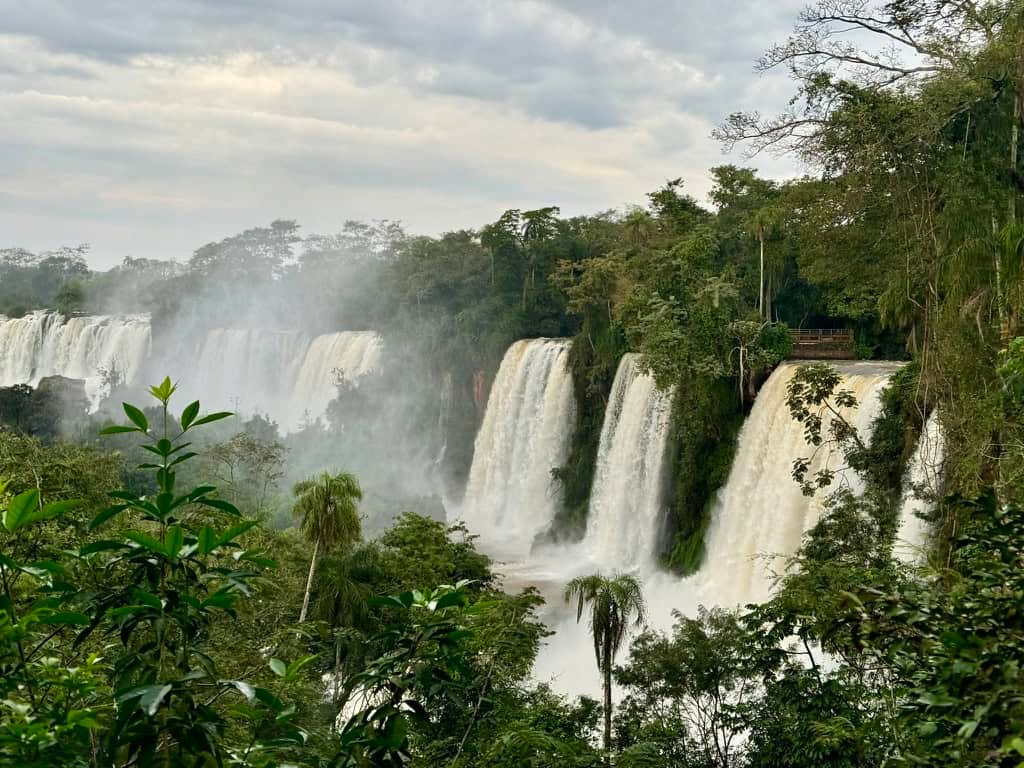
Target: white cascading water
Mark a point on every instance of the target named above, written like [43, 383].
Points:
[283, 374]
[43, 344]
[627, 501]
[511, 496]
[760, 515]
[247, 370]
[758, 521]
[921, 488]
[348, 354]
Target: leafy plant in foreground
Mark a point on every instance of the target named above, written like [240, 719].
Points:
[148, 596]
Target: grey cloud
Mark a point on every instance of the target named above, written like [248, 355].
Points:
[566, 61]
[132, 123]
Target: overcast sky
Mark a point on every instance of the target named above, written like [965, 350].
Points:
[149, 127]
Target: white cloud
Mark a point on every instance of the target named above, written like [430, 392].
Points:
[440, 115]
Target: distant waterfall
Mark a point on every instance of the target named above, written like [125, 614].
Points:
[760, 515]
[42, 344]
[511, 496]
[348, 354]
[247, 370]
[921, 489]
[283, 374]
[627, 501]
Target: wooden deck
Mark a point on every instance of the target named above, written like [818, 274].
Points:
[822, 344]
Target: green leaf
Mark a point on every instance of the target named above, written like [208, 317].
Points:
[244, 688]
[232, 533]
[19, 508]
[223, 506]
[137, 417]
[173, 542]
[269, 699]
[152, 696]
[68, 618]
[103, 545]
[450, 599]
[117, 429]
[189, 415]
[53, 509]
[106, 514]
[42, 569]
[278, 667]
[146, 541]
[147, 598]
[163, 390]
[207, 540]
[212, 417]
[1013, 744]
[183, 457]
[296, 666]
[128, 610]
[393, 736]
[222, 599]
[257, 558]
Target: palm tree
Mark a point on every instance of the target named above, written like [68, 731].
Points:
[328, 514]
[615, 603]
[344, 591]
[761, 224]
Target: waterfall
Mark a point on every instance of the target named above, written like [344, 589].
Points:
[921, 489]
[511, 496]
[347, 354]
[247, 370]
[627, 501]
[760, 516]
[757, 520]
[283, 374]
[94, 349]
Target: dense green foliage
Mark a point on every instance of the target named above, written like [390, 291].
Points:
[149, 630]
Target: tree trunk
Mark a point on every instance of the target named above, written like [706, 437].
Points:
[998, 263]
[740, 382]
[1014, 139]
[309, 582]
[607, 703]
[760, 294]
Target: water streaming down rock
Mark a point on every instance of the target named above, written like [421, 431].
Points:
[347, 354]
[511, 496]
[761, 515]
[760, 510]
[921, 488]
[283, 374]
[95, 348]
[247, 370]
[627, 501]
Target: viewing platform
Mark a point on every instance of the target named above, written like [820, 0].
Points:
[822, 344]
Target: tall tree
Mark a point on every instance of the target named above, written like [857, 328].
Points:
[615, 602]
[328, 513]
[761, 224]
